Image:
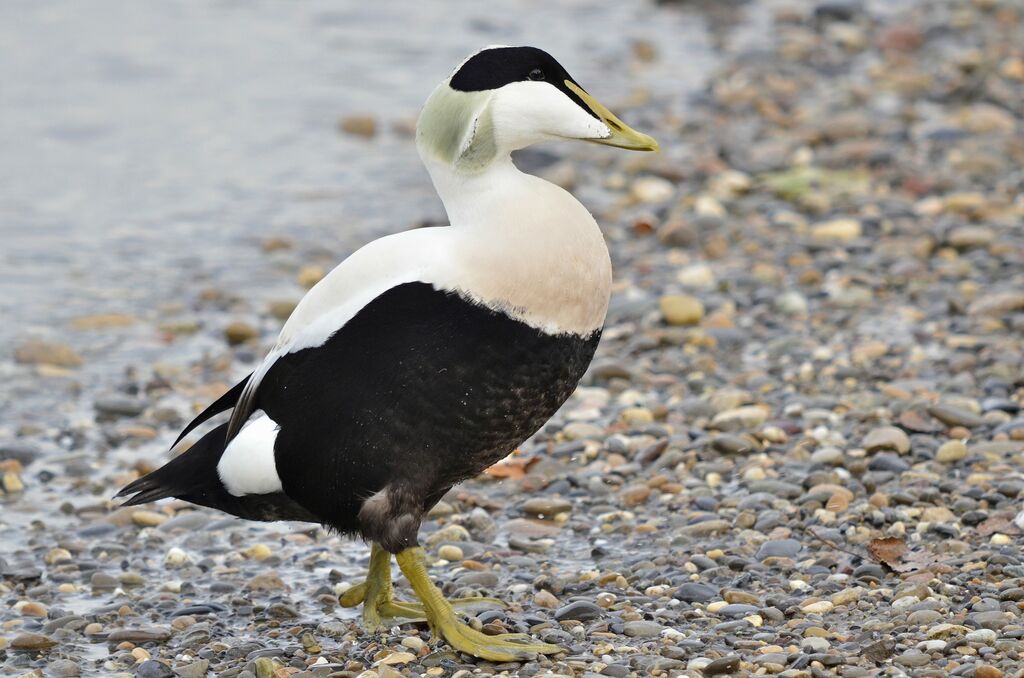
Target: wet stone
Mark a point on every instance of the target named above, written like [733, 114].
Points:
[737, 610]
[32, 641]
[887, 461]
[580, 610]
[992, 619]
[117, 406]
[780, 548]
[63, 668]
[952, 415]
[140, 635]
[153, 669]
[887, 438]
[546, 506]
[642, 629]
[722, 665]
[695, 592]
[24, 453]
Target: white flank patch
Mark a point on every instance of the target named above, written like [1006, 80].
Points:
[247, 465]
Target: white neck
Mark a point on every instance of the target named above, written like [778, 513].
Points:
[528, 247]
[468, 196]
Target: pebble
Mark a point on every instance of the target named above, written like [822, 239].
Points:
[176, 558]
[951, 452]
[140, 635]
[642, 629]
[153, 669]
[681, 309]
[258, 552]
[545, 599]
[239, 332]
[101, 581]
[650, 189]
[579, 610]
[64, 668]
[148, 518]
[695, 592]
[450, 552]
[792, 303]
[310, 275]
[722, 665]
[986, 636]
[837, 230]
[118, 406]
[39, 352]
[32, 641]
[887, 438]
[740, 418]
[359, 125]
[546, 507]
[966, 237]
[779, 548]
[817, 607]
[952, 415]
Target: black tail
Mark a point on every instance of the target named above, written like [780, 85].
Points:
[192, 475]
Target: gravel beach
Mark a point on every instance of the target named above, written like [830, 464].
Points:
[799, 451]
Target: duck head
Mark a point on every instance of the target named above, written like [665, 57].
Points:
[502, 99]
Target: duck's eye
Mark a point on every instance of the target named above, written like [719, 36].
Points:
[536, 74]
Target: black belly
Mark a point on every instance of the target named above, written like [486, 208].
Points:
[418, 391]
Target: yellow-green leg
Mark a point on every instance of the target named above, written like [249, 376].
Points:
[377, 596]
[445, 623]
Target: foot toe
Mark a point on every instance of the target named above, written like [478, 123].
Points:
[501, 648]
[354, 596]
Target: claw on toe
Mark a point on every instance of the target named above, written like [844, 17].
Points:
[501, 648]
[444, 622]
[354, 596]
[376, 596]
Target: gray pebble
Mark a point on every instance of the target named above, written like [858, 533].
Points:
[695, 592]
[642, 629]
[779, 548]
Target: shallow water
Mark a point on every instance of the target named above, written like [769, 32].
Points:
[149, 147]
[146, 143]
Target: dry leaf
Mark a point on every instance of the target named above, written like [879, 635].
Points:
[513, 468]
[880, 650]
[893, 551]
[922, 560]
[888, 551]
[994, 524]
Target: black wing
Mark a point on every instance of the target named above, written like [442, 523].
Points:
[221, 404]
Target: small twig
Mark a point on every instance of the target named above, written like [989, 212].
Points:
[831, 544]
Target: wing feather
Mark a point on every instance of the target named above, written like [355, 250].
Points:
[221, 404]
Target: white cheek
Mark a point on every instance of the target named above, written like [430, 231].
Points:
[528, 112]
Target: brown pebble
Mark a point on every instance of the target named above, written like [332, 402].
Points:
[635, 495]
[276, 243]
[358, 125]
[545, 599]
[239, 332]
[33, 610]
[32, 641]
[38, 352]
[987, 671]
[310, 275]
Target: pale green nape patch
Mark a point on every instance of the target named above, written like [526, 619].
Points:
[456, 128]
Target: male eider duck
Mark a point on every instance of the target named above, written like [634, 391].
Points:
[427, 355]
